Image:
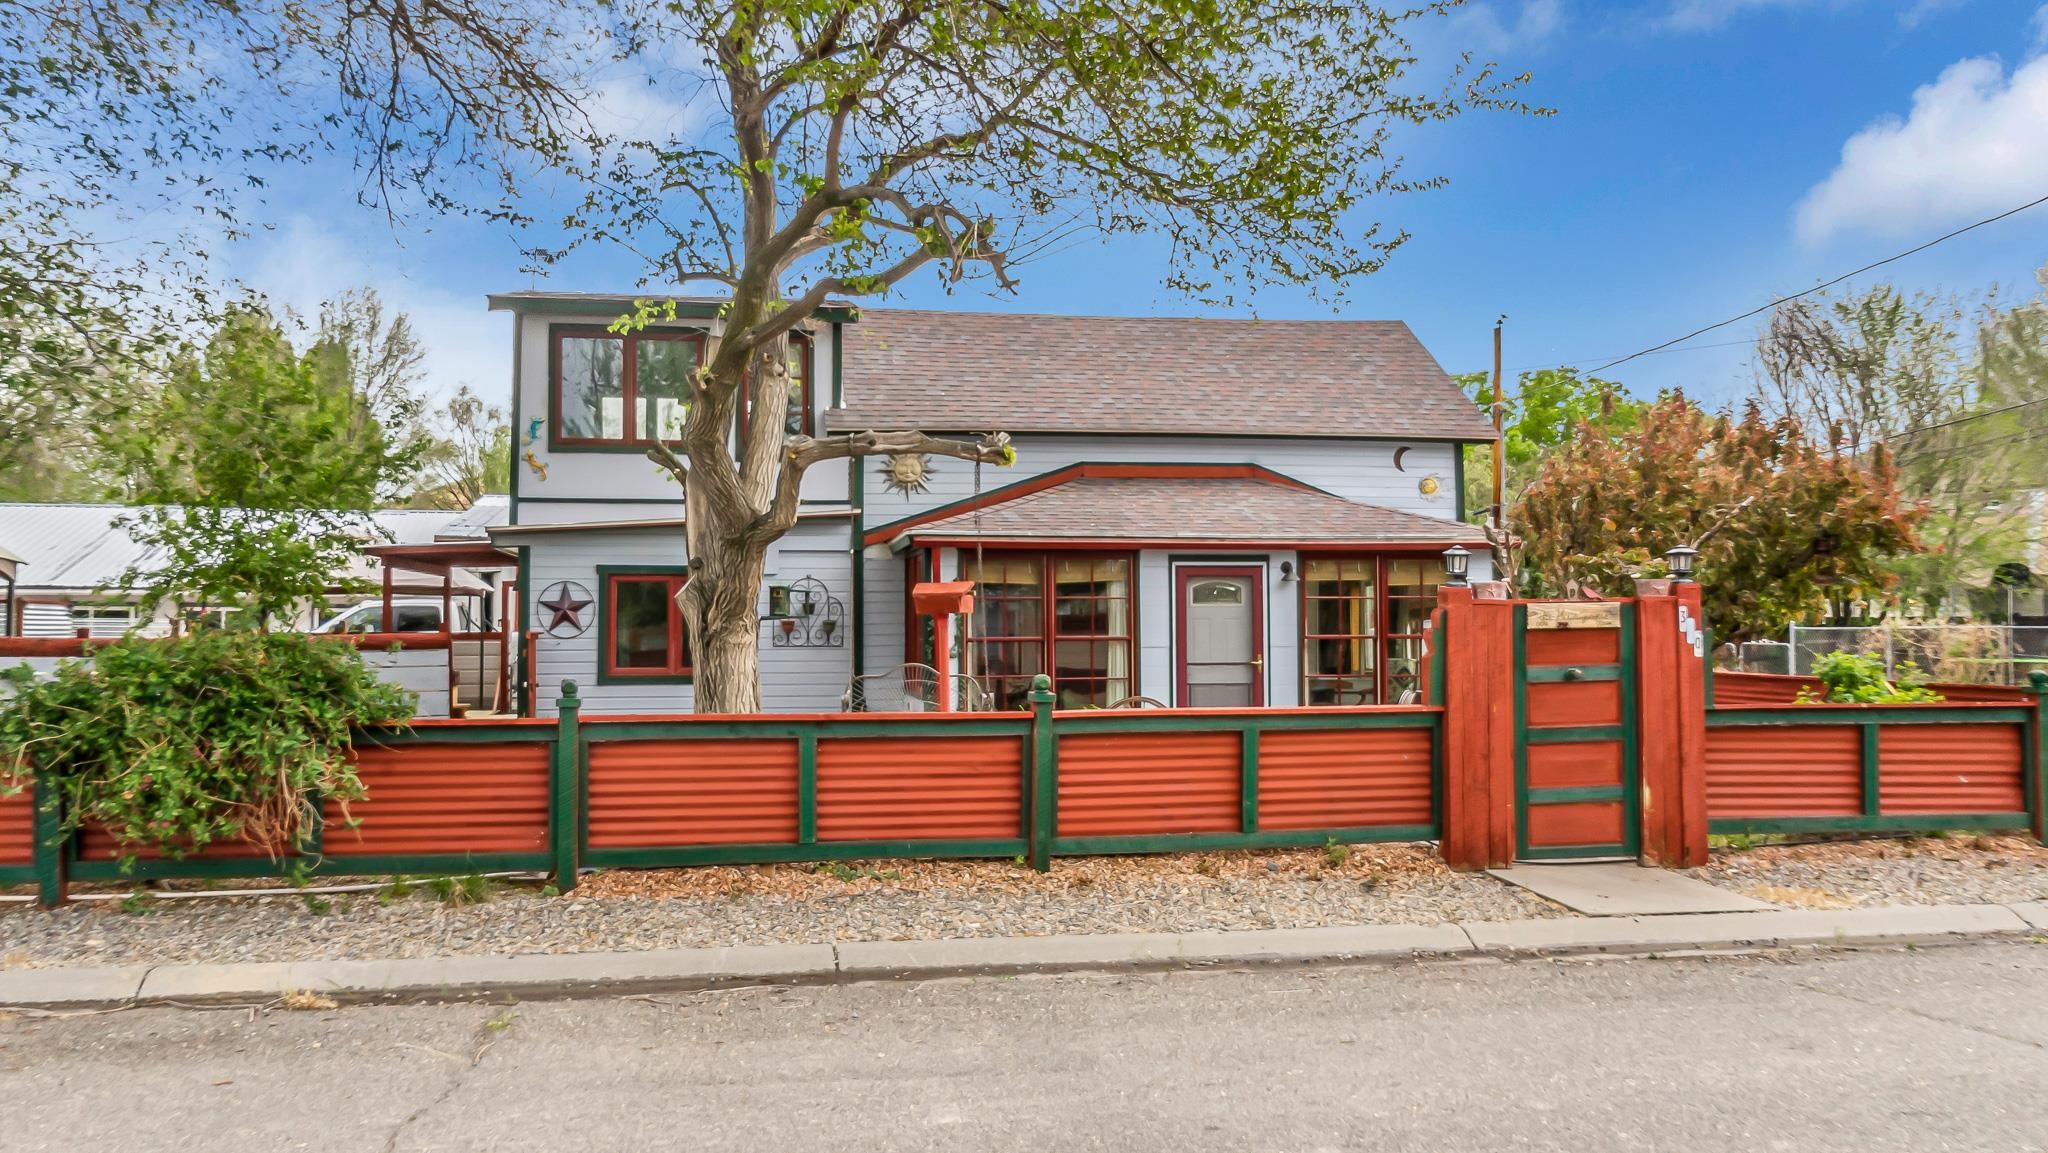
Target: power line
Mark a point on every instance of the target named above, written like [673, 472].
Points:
[1828, 284]
[1647, 352]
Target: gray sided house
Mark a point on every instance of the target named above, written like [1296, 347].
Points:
[1203, 512]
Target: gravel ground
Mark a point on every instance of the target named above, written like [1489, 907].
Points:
[1919, 871]
[895, 900]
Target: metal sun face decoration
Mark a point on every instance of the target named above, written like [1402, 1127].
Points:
[907, 473]
[563, 609]
[1431, 486]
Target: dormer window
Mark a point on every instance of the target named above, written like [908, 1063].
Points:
[625, 389]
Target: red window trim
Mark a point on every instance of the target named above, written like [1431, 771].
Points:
[1047, 635]
[629, 369]
[1254, 575]
[1377, 638]
[1382, 615]
[679, 650]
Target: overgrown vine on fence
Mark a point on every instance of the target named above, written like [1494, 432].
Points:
[175, 743]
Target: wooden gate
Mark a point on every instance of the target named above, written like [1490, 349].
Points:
[1577, 772]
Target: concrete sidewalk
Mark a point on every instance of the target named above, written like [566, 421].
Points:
[610, 974]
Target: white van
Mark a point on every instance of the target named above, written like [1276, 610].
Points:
[408, 615]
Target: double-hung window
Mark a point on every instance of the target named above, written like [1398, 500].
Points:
[623, 389]
[1076, 626]
[640, 626]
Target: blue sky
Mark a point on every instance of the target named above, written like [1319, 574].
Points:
[1706, 155]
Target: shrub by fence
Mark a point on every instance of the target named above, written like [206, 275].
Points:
[565, 794]
[569, 793]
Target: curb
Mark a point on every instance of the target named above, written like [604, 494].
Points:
[570, 975]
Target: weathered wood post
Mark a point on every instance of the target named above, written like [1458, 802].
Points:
[565, 783]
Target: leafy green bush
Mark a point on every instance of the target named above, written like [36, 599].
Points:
[1854, 679]
[178, 742]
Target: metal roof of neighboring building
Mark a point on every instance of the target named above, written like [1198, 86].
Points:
[1209, 509]
[78, 546]
[1182, 376]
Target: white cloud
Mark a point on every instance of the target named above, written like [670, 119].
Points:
[1971, 146]
[1923, 10]
[629, 106]
[305, 262]
[2041, 29]
[1485, 27]
[1703, 15]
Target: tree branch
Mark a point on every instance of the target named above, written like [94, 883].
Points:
[801, 452]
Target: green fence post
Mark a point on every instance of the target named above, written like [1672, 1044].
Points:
[2038, 797]
[564, 826]
[52, 888]
[1045, 764]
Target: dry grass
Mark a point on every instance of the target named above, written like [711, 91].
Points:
[1993, 851]
[1365, 863]
[301, 1001]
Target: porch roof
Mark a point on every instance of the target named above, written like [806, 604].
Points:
[1178, 511]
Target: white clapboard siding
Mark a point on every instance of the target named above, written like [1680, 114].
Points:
[423, 671]
[793, 679]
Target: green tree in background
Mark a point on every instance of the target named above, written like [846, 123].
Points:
[1545, 409]
[256, 469]
[471, 454]
[1950, 389]
[1782, 523]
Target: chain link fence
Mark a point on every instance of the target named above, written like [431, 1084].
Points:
[1969, 654]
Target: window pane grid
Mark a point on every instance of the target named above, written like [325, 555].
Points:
[1083, 619]
[644, 633]
[612, 388]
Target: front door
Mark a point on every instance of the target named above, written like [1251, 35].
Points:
[1222, 652]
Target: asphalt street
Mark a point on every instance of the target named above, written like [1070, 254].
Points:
[1937, 1049]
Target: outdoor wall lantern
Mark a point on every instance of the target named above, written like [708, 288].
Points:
[1681, 559]
[1286, 571]
[1457, 563]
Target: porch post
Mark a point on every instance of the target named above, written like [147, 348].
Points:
[942, 658]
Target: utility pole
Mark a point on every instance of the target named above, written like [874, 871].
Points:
[1500, 407]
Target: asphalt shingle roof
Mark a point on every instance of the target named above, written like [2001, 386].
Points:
[1207, 509]
[967, 371]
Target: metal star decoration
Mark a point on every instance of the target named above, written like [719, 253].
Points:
[563, 607]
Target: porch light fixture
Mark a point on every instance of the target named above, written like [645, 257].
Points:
[1681, 560]
[1457, 563]
[1286, 571]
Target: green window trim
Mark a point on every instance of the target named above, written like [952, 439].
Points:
[607, 673]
